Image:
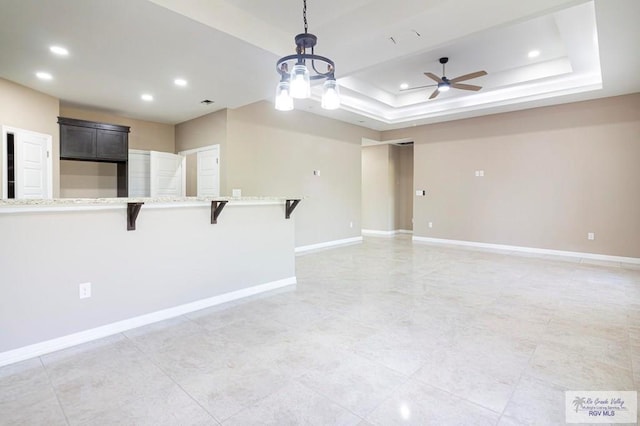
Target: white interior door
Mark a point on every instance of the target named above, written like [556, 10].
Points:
[139, 173]
[208, 182]
[167, 175]
[32, 164]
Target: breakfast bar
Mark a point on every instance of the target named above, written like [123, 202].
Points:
[74, 270]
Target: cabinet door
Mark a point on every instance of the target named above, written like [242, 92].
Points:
[77, 142]
[112, 145]
[139, 174]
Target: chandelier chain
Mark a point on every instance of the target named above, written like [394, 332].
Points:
[296, 82]
[304, 16]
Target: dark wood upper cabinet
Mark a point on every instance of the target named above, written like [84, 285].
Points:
[112, 145]
[77, 142]
[91, 141]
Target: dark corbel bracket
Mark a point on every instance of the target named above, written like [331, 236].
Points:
[216, 209]
[290, 207]
[132, 214]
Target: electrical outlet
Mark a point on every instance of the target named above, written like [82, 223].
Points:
[84, 290]
[316, 172]
[350, 224]
[591, 236]
[430, 224]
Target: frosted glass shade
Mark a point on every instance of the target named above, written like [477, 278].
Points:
[284, 101]
[300, 84]
[330, 95]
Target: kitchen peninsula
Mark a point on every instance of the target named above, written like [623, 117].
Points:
[182, 255]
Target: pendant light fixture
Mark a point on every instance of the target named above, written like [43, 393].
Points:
[295, 76]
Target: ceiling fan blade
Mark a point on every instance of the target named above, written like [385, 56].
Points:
[468, 76]
[466, 86]
[417, 87]
[433, 77]
[434, 94]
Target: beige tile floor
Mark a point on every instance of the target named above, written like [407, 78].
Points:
[381, 333]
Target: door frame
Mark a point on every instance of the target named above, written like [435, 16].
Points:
[201, 149]
[49, 141]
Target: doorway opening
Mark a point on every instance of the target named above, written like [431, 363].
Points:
[27, 164]
[11, 173]
[387, 187]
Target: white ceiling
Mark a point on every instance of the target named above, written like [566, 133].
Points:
[227, 50]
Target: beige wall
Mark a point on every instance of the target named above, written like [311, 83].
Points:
[192, 174]
[80, 179]
[265, 152]
[552, 175]
[28, 109]
[275, 153]
[88, 179]
[210, 129]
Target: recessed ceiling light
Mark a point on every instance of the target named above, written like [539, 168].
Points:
[59, 50]
[180, 82]
[534, 53]
[146, 97]
[404, 86]
[44, 75]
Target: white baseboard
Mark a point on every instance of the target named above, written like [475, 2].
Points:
[48, 346]
[502, 247]
[327, 244]
[376, 233]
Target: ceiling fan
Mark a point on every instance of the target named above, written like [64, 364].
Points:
[444, 84]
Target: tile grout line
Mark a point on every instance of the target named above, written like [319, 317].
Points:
[328, 399]
[55, 391]
[247, 407]
[456, 396]
[150, 359]
[523, 372]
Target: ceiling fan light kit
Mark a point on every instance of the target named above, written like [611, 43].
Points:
[295, 76]
[443, 84]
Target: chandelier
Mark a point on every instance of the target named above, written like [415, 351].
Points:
[295, 78]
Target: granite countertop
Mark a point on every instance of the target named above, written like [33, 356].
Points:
[55, 203]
